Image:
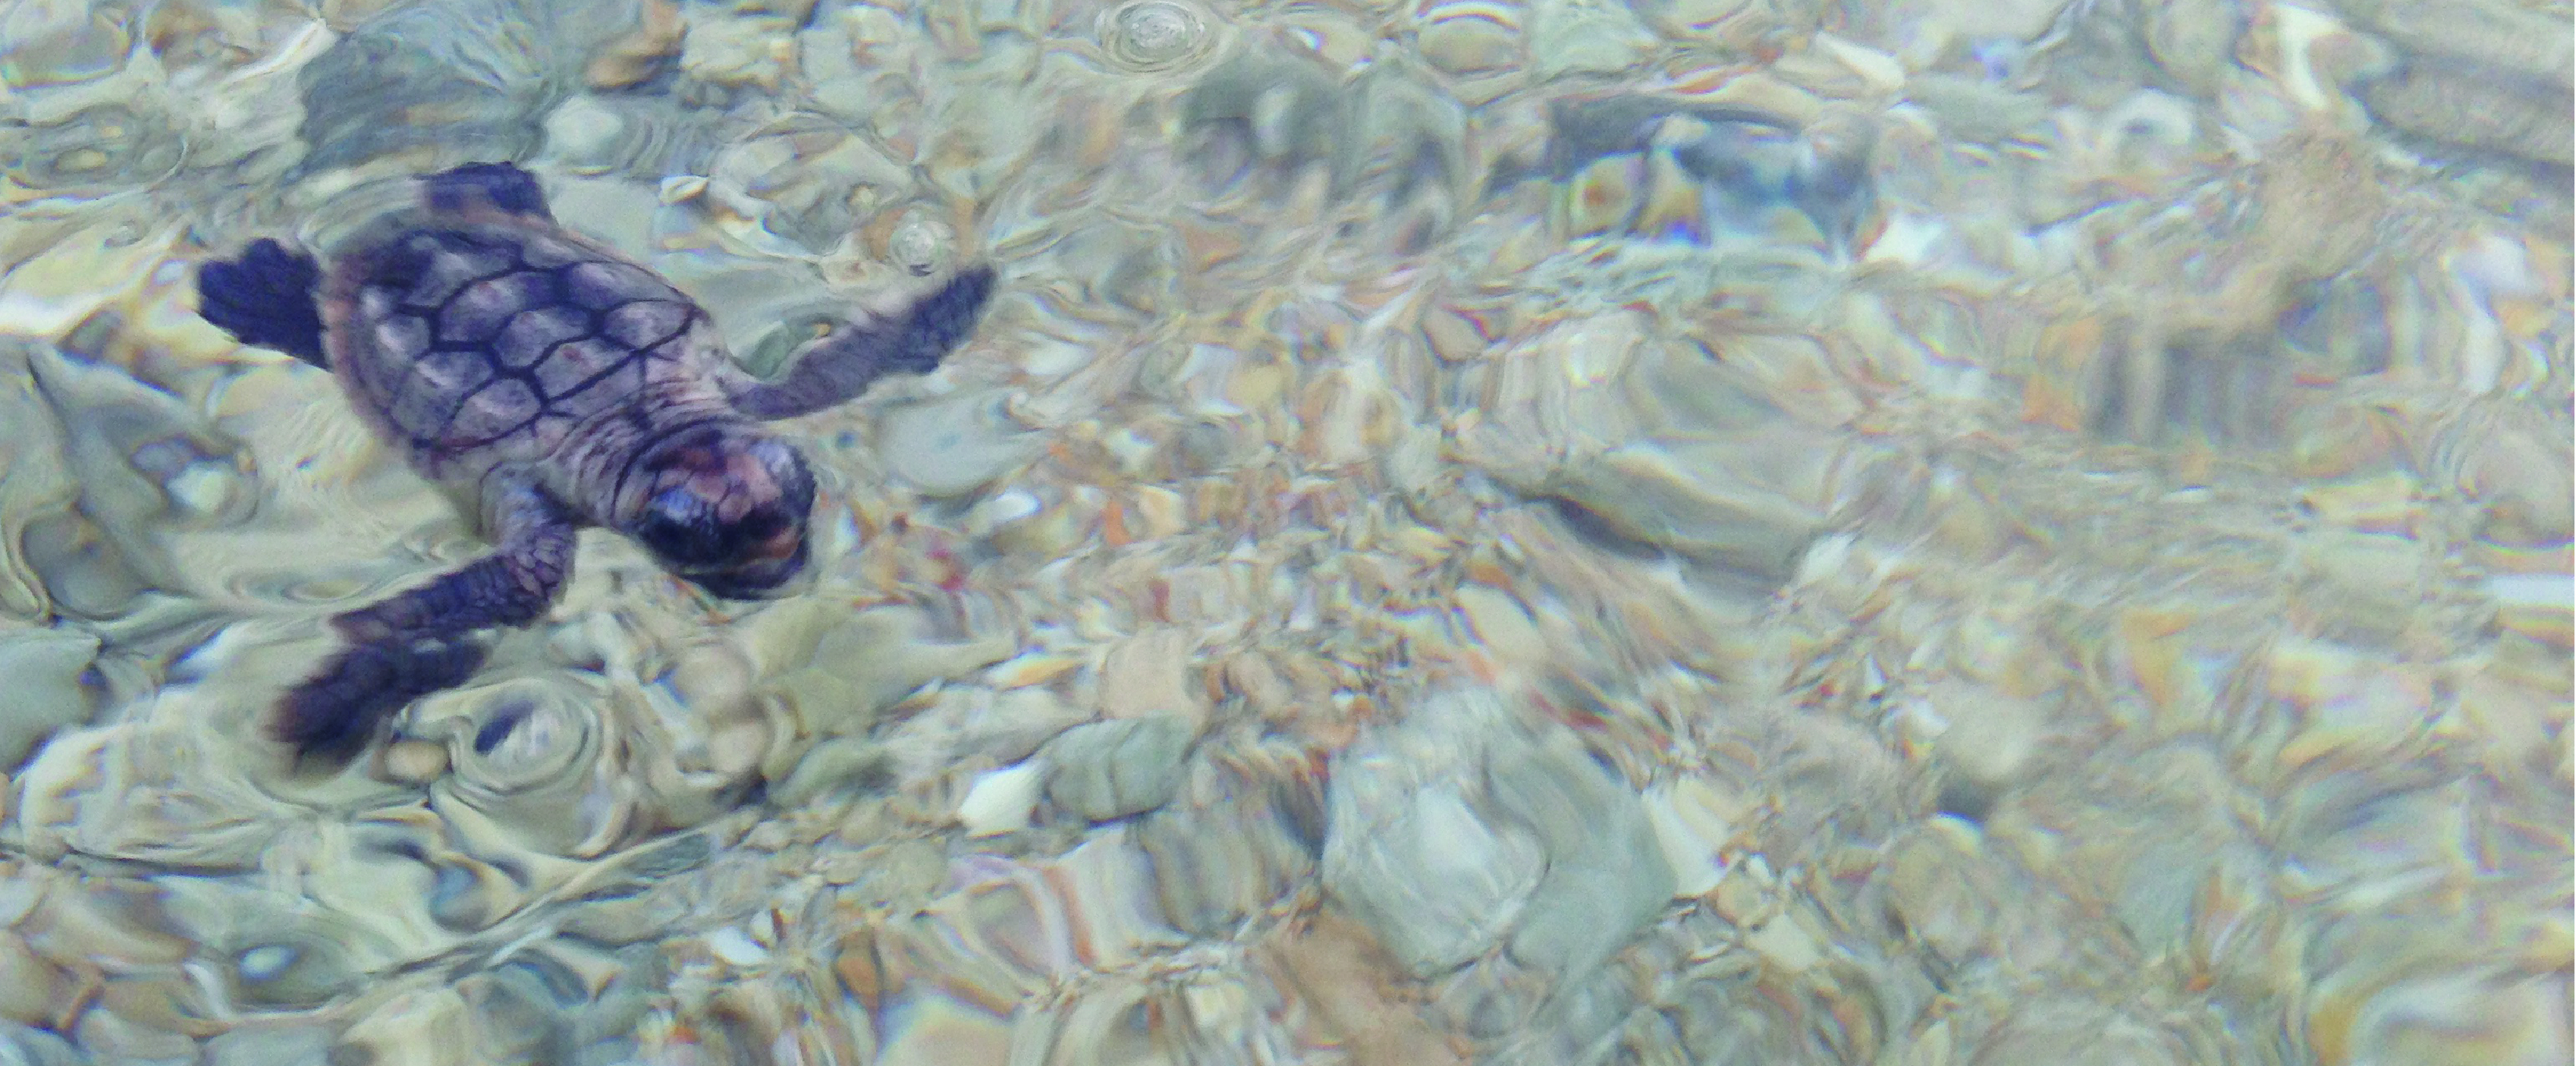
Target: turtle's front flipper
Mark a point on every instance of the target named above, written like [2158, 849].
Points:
[837, 367]
[265, 297]
[420, 641]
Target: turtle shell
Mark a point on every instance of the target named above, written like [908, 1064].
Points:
[478, 338]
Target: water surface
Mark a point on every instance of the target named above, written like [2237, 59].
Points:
[1707, 531]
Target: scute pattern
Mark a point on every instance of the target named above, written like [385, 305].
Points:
[436, 386]
[439, 264]
[599, 286]
[646, 323]
[530, 335]
[493, 413]
[476, 314]
[489, 344]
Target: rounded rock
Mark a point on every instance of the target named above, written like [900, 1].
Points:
[1106, 770]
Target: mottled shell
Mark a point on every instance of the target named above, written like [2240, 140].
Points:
[479, 339]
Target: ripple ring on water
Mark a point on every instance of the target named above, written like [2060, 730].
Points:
[1155, 35]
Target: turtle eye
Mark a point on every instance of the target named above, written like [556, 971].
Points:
[760, 525]
[682, 530]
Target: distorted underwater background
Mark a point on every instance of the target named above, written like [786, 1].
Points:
[1541, 532]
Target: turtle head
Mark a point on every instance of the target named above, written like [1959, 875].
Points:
[725, 507]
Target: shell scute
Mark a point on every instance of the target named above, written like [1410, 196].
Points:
[646, 323]
[434, 389]
[429, 268]
[598, 286]
[532, 335]
[484, 342]
[572, 369]
[542, 253]
[477, 312]
[493, 413]
[400, 337]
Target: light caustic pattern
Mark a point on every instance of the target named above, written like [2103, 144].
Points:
[1703, 531]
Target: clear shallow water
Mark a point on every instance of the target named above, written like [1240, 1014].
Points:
[1711, 532]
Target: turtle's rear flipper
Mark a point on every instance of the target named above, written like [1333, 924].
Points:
[502, 186]
[265, 297]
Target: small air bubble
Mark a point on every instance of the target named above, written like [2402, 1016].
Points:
[919, 245]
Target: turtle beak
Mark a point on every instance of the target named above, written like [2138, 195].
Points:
[761, 574]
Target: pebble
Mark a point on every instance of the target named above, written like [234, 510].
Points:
[1434, 880]
[954, 445]
[1032, 668]
[1437, 879]
[736, 748]
[585, 134]
[415, 761]
[1606, 875]
[638, 54]
[736, 948]
[1786, 943]
[1692, 826]
[1001, 801]
[1147, 676]
[32, 991]
[1106, 770]
[44, 691]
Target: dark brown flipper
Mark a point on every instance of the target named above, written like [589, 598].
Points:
[265, 296]
[269, 294]
[833, 369]
[501, 186]
[334, 712]
[420, 641]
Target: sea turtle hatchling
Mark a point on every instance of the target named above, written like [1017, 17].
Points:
[562, 384]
